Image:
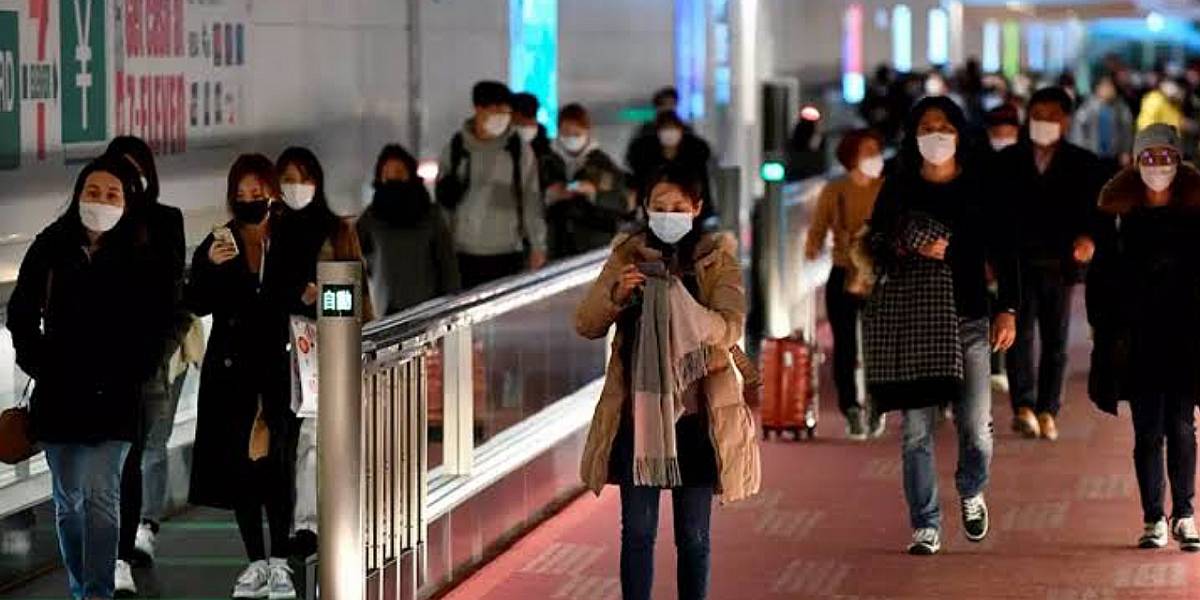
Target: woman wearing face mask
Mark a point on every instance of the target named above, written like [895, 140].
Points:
[843, 208]
[674, 144]
[241, 459]
[90, 281]
[928, 328]
[585, 213]
[408, 246]
[670, 427]
[1142, 296]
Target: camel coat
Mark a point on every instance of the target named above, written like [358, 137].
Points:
[731, 423]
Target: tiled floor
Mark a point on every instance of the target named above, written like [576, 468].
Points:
[831, 523]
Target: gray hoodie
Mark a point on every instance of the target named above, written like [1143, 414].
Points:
[486, 221]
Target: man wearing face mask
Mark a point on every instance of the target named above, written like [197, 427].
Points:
[1052, 184]
[673, 144]
[1141, 301]
[488, 181]
[1104, 125]
[586, 212]
[525, 110]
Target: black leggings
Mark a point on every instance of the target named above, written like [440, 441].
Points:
[271, 488]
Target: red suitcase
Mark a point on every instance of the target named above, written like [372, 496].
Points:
[789, 373]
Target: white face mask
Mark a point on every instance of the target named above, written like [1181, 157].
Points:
[527, 133]
[1045, 133]
[670, 136]
[298, 195]
[573, 143]
[936, 148]
[99, 217]
[1158, 178]
[1000, 143]
[872, 167]
[495, 125]
[670, 227]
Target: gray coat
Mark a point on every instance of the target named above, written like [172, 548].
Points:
[408, 263]
[1086, 130]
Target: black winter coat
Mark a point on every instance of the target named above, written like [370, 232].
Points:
[1054, 208]
[247, 360]
[88, 329]
[167, 241]
[1143, 292]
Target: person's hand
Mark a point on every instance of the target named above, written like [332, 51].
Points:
[586, 188]
[1004, 331]
[1085, 249]
[537, 260]
[935, 249]
[556, 193]
[309, 297]
[631, 279]
[221, 252]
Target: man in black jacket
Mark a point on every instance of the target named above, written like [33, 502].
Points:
[1052, 185]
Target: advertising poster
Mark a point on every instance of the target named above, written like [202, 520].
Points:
[29, 82]
[84, 71]
[10, 113]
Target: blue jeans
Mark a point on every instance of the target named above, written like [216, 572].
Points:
[972, 419]
[692, 507]
[162, 400]
[87, 501]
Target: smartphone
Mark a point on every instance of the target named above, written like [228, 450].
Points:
[223, 234]
[652, 269]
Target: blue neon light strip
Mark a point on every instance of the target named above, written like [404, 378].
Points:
[902, 38]
[991, 47]
[691, 54]
[939, 37]
[533, 55]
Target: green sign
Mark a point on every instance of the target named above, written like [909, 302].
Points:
[337, 300]
[10, 93]
[84, 102]
[773, 171]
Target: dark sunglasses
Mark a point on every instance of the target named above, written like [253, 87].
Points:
[1158, 157]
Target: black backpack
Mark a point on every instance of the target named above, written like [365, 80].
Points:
[451, 188]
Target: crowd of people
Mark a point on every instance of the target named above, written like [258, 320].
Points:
[999, 201]
[113, 266]
[969, 242]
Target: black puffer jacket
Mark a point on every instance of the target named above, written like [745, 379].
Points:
[89, 330]
[1143, 292]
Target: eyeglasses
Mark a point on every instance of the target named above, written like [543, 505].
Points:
[1158, 157]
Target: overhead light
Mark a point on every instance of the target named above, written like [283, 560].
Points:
[428, 170]
[810, 113]
[772, 171]
[1155, 22]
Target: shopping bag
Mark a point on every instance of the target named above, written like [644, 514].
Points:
[304, 367]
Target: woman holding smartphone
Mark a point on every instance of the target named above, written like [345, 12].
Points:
[241, 459]
[661, 428]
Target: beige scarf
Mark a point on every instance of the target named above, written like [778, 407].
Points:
[669, 358]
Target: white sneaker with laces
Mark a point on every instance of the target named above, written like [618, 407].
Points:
[279, 580]
[1154, 535]
[146, 540]
[125, 585]
[1186, 534]
[926, 541]
[253, 582]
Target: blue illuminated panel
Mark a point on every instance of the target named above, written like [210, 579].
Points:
[691, 56]
[902, 38]
[939, 37]
[991, 47]
[1035, 39]
[533, 55]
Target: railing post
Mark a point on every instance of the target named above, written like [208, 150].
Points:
[458, 427]
[339, 431]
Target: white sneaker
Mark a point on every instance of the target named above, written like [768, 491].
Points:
[253, 582]
[925, 542]
[125, 585]
[280, 583]
[1154, 535]
[146, 541]
[1184, 532]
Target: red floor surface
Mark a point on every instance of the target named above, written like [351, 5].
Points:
[831, 523]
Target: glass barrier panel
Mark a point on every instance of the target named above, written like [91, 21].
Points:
[529, 358]
[434, 372]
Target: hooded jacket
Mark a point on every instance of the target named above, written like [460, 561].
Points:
[490, 220]
[1143, 292]
[730, 423]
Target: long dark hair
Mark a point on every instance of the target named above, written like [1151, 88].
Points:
[395, 152]
[910, 154]
[250, 164]
[137, 150]
[310, 168]
[133, 224]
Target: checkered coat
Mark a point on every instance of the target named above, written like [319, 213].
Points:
[911, 341]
